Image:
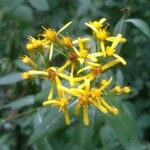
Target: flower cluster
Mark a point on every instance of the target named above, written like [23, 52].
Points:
[82, 69]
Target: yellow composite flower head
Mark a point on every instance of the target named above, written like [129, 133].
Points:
[83, 68]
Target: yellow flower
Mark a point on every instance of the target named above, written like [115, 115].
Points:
[34, 44]
[102, 35]
[51, 36]
[67, 42]
[97, 69]
[96, 24]
[110, 50]
[27, 60]
[62, 104]
[83, 53]
[89, 96]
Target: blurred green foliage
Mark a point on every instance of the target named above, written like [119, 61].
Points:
[24, 124]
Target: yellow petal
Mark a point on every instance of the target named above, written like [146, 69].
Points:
[64, 76]
[91, 58]
[66, 115]
[83, 69]
[51, 51]
[85, 115]
[87, 85]
[36, 72]
[116, 41]
[102, 20]
[103, 48]
[77, 52]
[96, 54]
[100, 107]
[82, 39]
[81, 60]
[69, 91]
[111, 39]
[49, 102]
[59, 91]
[64, 27]
[92, 27]
[106, 105]
[61, 69]
[71, 75]
[77, 108]
[120, 59]
[106, 84]
[80, 44]
[110, 64]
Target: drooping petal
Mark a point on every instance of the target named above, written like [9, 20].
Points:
[59, 91]
[77, 108]
[106, 105]
[85, 115]
[64, 27]
[120, 59]
[66, 115]
[99, 106]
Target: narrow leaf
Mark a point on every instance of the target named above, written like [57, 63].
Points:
[10, 79]
[139, 23]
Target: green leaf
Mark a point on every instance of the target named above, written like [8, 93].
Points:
[23, 13]
[22, 102]
[42, 143]
[10, 79]
[41, 5]
[52, 121]
[139, 23]
[120, 26]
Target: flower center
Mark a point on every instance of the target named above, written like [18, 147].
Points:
[97, 70]
[83, 53]
[85, 99]
[73, 57]
[62, 103]
[102, 34]
[52, 73]
[50, 34]
[109, 51]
